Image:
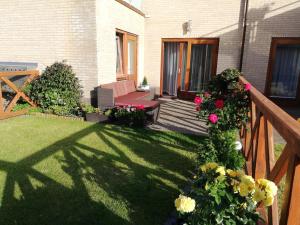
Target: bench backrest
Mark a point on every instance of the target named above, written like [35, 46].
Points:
[121, 88]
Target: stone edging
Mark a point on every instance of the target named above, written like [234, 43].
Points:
[45, 115]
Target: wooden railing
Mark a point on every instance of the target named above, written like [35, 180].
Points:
[6, 110]
[258, 148]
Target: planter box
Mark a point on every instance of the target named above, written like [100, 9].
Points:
[95, 117]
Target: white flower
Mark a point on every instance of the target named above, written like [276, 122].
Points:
[238, 145]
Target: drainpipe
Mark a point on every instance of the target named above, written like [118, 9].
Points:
[244, 35]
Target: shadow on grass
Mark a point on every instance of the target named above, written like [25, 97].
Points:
[146, 190]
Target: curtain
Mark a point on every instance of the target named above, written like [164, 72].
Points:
[286, 71]
[184, 62]
[171, 63]
[201, 63]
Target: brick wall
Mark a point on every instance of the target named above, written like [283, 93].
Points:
[215, 18]
[45, 31]
[112, 15]
[267, 19]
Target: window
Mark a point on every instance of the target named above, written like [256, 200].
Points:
[284, 69]
[126, 52]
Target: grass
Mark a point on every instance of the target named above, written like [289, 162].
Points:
[278, 150]
[61, 172]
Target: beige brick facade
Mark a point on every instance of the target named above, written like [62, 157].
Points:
[83, 33]
[45, 31]
[215, 18]
[112, 15]
[267, 19]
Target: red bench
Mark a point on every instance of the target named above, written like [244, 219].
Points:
[124, 93]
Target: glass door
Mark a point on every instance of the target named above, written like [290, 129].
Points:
[197, 66]
[283, 81]
[188, 65]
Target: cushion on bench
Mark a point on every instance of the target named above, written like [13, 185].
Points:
[133, 96]
[146, 103]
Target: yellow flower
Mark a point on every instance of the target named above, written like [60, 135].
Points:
[259, 195]
[265, 191]
[221, 170]
[208, 166]
[247, 185]
[185, 204]
[235, 185]
[268, 200]
[234, 173]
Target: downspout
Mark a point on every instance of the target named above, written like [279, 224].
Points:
[244, 35]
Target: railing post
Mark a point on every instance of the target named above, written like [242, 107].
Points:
[293, 216]
[1, 100]
[260, 151]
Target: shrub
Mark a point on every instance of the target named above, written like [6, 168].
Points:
[221, 148]
[223, 196]
[57, 90]
[225, 104]
[128, 115]
[86, 108]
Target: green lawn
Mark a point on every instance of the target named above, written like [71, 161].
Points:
[61, 172]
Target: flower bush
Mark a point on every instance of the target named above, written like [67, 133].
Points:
[221, 148]
[224, 196]
[225, 104]
[129, 115]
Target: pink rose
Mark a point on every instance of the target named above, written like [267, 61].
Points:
[198, 100]
[219, 104]
[248, 87]
[140, 107]
[213, 118]
[198, 108]
[206, 94]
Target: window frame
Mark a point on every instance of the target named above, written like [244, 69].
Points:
[126, 37]
[272, 58]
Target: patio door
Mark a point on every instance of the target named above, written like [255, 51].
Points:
[283, 80]
[187, 65]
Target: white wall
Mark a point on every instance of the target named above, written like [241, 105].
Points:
[112, 15]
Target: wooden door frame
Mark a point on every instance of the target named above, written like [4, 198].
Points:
[272, 57]
[189, 41]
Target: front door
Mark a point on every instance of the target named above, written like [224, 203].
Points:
[187, 65]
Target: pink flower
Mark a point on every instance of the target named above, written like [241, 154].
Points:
[219, 104]
[198, 108]
[198, 100]
[213, 118]
[248, 87]
[206, 94]
[140, 107]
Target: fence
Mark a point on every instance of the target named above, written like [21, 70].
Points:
[12, 84]
[258, 147]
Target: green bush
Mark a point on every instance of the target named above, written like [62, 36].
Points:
[221, 148]
[57, 90]
[86, 108]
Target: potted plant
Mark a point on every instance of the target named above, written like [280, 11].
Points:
[93, 114]
[144, 86]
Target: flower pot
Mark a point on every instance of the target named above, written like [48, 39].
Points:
[95, 117]
[144, 88]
